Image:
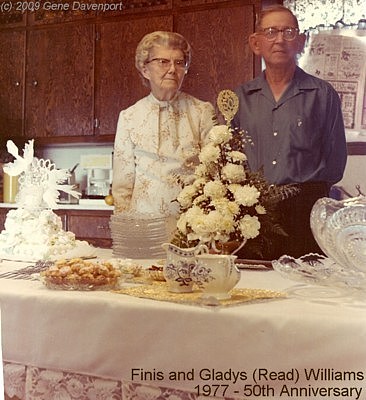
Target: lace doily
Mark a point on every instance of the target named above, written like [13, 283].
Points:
[158, 291]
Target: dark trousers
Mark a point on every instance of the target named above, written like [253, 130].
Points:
[294, 217]
[294, 214]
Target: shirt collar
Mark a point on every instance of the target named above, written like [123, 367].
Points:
[163, 103]
[256, 84]
[300, 81]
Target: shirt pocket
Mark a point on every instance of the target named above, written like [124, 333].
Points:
[304, 132]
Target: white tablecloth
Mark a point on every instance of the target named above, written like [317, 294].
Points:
[298, 347]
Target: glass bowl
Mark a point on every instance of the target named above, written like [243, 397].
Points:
[339, 227]
[320, 270]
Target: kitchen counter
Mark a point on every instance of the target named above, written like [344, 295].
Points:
[63, 206]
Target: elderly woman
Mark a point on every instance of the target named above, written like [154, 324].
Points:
[159, 137]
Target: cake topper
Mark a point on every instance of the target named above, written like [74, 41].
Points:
[40, 182]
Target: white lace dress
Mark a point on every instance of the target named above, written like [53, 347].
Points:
[157, 142]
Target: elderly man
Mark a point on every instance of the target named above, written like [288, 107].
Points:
[295, 122]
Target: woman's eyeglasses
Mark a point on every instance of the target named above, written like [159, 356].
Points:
[164, 63]
[287, 33]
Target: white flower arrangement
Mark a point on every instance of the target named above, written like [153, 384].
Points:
[226, 201]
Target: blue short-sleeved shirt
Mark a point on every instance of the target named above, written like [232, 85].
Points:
[299, 138]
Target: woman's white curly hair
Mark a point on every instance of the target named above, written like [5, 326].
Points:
[160, 38]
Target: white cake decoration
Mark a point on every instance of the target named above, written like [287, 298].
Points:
[33, 231]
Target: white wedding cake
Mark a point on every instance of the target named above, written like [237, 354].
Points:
[33, 231]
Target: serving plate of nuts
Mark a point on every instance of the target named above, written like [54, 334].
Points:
[80, 274]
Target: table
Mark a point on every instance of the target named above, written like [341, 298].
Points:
[81, 345]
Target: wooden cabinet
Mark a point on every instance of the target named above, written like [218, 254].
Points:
[92, 226]
[11, 14]
[60, 81]
[12, 50]
[67, 74]
[89, 225]
[47, 86]
[221, 56]
[53, 12]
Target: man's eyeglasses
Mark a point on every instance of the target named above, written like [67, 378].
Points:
[287, 33]
[164, 63]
